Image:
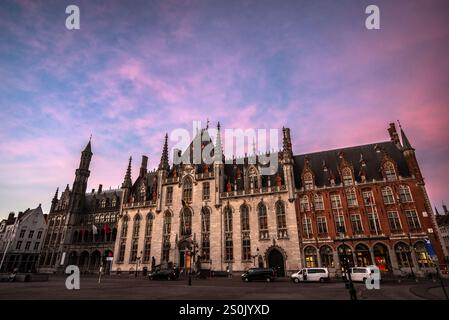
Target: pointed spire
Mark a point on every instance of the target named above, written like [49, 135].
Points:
[127, 182]
[88, 147]
[55, 198]
[67, 188]
[405, 142]
[218, 152]
[163, 165]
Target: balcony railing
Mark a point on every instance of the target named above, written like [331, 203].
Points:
[265, 190]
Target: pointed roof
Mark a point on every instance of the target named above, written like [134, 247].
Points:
[405, 142]
[88, 147]
[127, 182]
[163, 165]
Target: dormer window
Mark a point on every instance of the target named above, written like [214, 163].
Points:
[308, 181]
[347, 177]
[142, 192]
[103, 203]
[114, 202]
[389, 171]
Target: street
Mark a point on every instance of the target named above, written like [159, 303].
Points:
[128, 287]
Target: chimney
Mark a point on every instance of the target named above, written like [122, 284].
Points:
[11, 216]
[20, 215]
[394, 135]
[445, 209]
[100, 188]
[143, 166]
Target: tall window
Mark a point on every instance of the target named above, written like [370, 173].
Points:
[134, 247]
[318, 202]
[394, 222]
[281, 220]
[404, 194]
[308, 181]
[304, 204]
[373, 222]
[263, 221]
[351, 197]
[206, 190]
[229, 251]
[166, 237]
[368, 198]
[125, 226]
[340, 223]
[187, 190]
[347, 177]
[136, 226]
[356, 224]
[148, 233]
[307, 227]
[389, 171]
[387, 195]
[322, 225]
[412, 220]
[122, 250]
[169, 196]
[246, 241]
[335, 201]
[186, 222]
[205, 234]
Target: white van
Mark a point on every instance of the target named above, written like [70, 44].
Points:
[360, 274]
[311, 274]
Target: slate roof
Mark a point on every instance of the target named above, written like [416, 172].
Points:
[352, 155]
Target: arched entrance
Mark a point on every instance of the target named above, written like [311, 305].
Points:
[84, 261]
[382, 257]
[276, 261]
[95, 261]
[184, 254]
[362, 255]
[345, 257]
[73, 257]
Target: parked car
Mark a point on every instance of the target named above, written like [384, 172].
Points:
[360, 274]
[164, 274]
[266, 274]
[311, 275]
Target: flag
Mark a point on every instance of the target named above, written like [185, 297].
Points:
[94, 229]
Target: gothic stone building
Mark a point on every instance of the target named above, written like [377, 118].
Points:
[82, 227]
[222, 215]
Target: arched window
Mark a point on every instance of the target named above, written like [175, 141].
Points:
[166, 237]
[122, 250]
[310, 256]
[167, 223]
[389, 171]
[149, 225]
[263, 221]
[244, 218]
[281, 220]
[205, 234]
[124, 226]
[347, 177]
[351, 197]
[304, 204]
[187, 190]
[103, 203]
[327, 257]
[404, 194]
[318, 202]
[422, 256]
[308, 181]
[136, 226]
[186, 222]
[403, 255]
[387, 195]
[229, 251]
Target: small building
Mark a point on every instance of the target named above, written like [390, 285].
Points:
[21, 240]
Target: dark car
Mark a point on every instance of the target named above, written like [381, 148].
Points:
[164, 274]
[265, 274]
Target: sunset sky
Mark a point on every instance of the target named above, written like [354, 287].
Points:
[138, 69]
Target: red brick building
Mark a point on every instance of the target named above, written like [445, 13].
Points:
[375, 196]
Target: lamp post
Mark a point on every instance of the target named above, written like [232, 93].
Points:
[137, 263]
[351, 288]
[255, 256]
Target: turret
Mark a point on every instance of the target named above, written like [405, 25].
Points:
[288, 163]
[54, 201]
[409, 154]
[218, 167]
[81, 176]
[127, 181]
[162, 173]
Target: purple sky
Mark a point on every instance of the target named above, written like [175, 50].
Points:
[134, 72]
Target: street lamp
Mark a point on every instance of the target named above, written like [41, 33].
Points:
[255, 256]
[137, 263]
[351, 288]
